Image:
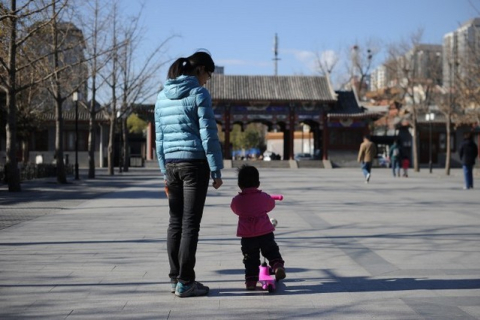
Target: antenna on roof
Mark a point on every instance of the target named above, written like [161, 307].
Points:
[275, 52]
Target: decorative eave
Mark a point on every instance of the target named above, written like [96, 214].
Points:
[364, 115]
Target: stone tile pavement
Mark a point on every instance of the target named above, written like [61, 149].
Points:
[396, 248]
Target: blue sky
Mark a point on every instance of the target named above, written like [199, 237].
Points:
[239, 34]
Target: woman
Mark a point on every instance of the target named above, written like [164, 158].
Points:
[189, 152]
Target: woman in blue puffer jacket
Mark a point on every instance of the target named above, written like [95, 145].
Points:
[188, 152]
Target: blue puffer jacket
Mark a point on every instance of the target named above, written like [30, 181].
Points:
[185, 126]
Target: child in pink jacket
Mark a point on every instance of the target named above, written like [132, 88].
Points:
[254, 227]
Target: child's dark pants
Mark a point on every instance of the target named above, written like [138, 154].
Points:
[251, 248]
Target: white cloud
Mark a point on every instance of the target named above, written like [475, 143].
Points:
[329, 57]
[305, 57]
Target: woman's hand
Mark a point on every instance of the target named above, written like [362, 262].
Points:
[217, 183]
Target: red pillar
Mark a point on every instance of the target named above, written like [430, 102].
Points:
[226, 147]
[292, 132]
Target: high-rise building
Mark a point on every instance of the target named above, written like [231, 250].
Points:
[425, 62]
[378, 78]
[421, 63]
[459, 50]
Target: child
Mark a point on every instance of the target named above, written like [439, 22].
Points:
[254, 226]
[405, 166]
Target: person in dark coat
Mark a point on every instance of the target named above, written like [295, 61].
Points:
[468, 154]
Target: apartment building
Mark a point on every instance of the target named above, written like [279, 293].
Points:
[460, 48]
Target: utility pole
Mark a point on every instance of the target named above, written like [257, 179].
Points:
[275, 52]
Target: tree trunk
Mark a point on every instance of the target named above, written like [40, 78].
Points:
[91, 146]
[92, 122]
[448, 153]
[126, 154]
[110, 145]
[57, 94]
[416, 166]
[120, 147]
[61, 174]
[12, 174]
[91, 133]
[113, 114]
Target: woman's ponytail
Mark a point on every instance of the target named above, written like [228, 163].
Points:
[186, 66]
[179, 67]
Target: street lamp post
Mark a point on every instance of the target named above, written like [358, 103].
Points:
[429, 117]
[75, 99]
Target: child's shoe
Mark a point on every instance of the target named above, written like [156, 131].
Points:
[280, 273]
[251, 284]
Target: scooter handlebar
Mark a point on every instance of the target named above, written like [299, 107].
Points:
[277, 197]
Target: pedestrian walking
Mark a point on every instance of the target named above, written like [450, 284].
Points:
[366, 155]
[189, 153]
[395, 157]
[468, 153]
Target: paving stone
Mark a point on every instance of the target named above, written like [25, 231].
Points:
[395, 248]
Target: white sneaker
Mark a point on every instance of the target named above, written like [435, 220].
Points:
[368, 178]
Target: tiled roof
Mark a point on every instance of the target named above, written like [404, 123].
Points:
[346, 104]
[270, 88]
[347, 107]
[69, 115]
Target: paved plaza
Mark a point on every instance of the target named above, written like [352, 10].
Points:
[396, 248]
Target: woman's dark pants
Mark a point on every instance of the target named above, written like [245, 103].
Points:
[187, 189]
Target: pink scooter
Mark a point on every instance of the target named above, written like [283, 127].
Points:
[266, 274]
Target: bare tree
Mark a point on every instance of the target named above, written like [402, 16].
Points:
[95, 22]
[138, 84]
[360, 64]
[412, 90]
[64, 69]
[132, 78]
[448, 99]
[326, 61]
[459, 98]
[110, 75]
[30, 110]
[17, 25]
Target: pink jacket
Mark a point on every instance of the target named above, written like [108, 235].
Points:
[252, 205]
